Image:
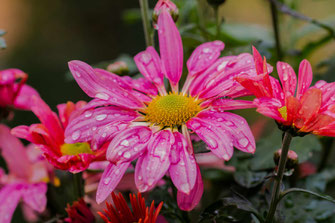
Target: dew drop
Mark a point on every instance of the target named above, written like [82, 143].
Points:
[146, 58]
[75, 135]
[100, 117]
[127, 155]
[226, 157]
[77, 73]
[206, 50]
[222, 66]
[125, 143]
[88, 114]
[102, 96]
[107, 180]
[117, 171]
[185, 187]
[243, 142]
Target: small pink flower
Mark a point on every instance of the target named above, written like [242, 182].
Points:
[49, 137]
[144, 122]
[13, 90]
[295, 106]
[27, 178]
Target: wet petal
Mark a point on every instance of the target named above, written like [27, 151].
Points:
[305, 78]
[269, 107]
[150, 66]
[187, 202]
[235, 125]
[100, 87]
[171, 48]
[228, 104]
[217, 140]
[35, 196]
[204, 56]
[128, 144]
[152, 166]
[81, 128]
[183, 168]
[110, 179]
[310, 105]
[287, 77]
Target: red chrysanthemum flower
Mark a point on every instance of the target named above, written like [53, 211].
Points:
[121, 213]
[79, 212]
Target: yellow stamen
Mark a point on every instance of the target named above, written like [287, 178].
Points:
[171, 110]
[75, 149]
[283, 112]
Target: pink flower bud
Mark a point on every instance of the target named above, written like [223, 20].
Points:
[292, 158]
[165, 5]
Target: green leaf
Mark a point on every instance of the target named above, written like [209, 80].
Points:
[319, 181]
[249, 179]
[303, 146]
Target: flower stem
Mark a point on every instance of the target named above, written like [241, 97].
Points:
[146, 22]
[279, 176]
[78, 185]
[275, 25]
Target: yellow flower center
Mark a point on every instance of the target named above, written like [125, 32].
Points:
[75, 149]
[283, 112]
[171, 110]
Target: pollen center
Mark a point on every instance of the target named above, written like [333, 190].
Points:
[75, 149]
[283, 112]
[171, 110]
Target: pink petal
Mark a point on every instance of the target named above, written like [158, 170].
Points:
[150, 66]
[269, 107]
[152, 166]
[107, 132]
[171, 48]
[204, 56]
[228, 104]
[277, 90]
[198, 84]
[35, 196]
[49, 119]
[305, 78]
[143, 85]
[14, 154]
[328, 92]
[128, 144]
[109, 180]
[24, 98]
[100, 87]
[81, 128]
[259, 63]
[287, 77]
[183, 168]
[217, 140]
[187, 202]
[9, 199]
[237, 126]
[108, 76]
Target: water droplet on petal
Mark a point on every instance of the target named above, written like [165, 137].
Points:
[206, 50]
[127, 155]
[75, 135]
[125, 143]
[102, 96]
[100, 117]
[146, 58]
[222, 66]
[88, 114]
[185, 187]
[117, 171]
[107, 180]
[77, 73]
[226, 157]
[243, 142]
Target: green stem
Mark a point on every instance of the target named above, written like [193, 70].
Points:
[275, 25]
[327, 144]
[146, 22]
[279, 176]
[218, 21]
[78, 185]
[284, 193]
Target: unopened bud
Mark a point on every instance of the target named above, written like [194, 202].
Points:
[165, 5]
[215, 3]
[292, 159]
[119, 68]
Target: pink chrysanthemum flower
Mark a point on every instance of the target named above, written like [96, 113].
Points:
[13, 90]
[296, 107]
[28, 174]
[49, 137]
[144, 122]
